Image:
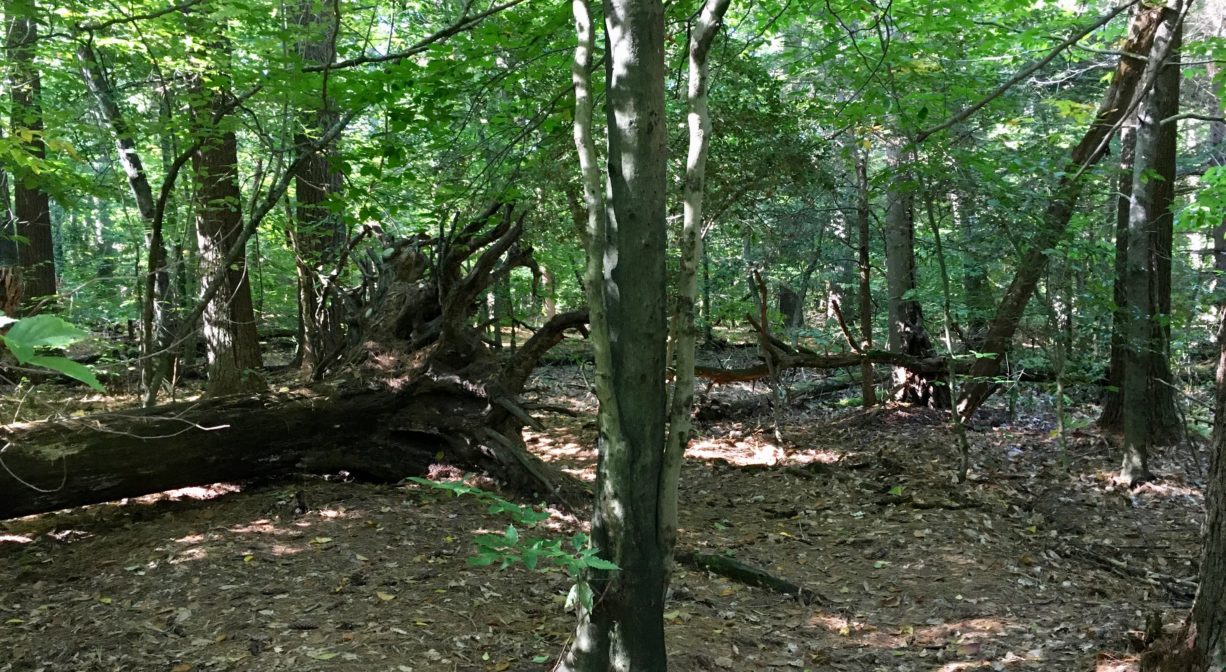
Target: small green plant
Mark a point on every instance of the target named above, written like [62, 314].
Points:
[29, 334]
[510, 547]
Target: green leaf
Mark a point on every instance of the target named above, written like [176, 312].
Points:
[68, 368]
[40, 331]
[597, 563]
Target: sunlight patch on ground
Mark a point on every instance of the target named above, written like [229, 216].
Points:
[1108, 663]
[741, 453]
[803, 457]
[974, 629]
[261, 526]
[15, 539]
[197, 492]
[190, 555]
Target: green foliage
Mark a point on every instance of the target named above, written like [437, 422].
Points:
[574, 555]
[27, 336]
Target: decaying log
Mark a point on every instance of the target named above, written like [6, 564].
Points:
[419, 388]
[736, 570]
[929, 365]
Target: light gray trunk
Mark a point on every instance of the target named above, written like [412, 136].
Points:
[684, 332]
[1147, 392]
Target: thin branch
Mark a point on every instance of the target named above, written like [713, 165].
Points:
[1025, 72]
[1192, 115]
[103, 25]
[463, 23]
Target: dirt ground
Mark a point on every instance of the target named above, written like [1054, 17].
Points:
[1040, 562]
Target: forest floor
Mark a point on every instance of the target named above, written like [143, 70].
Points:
[1030, 565]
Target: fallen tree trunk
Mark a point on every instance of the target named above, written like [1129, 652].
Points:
[62, 463]
[421, 388]
[801, 360]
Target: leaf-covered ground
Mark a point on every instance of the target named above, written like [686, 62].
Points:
[1029, 566]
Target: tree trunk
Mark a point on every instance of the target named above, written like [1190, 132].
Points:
[622, 626]
[975, 284]
[1149, 407]
[868, 386]
[1131, 75]
[10, 265]
[229, 319]
[31, 203]
[1112, 417]
[684, 331]
[907, 334]
[318, 233]
[156, 309]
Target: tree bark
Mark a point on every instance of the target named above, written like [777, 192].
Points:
[1149, 407]
[229, 318]
[10, 264]
[684, 329]
[31, 202]
[907, 334]
[1112, 417]
[318, 234]
[1130, 76]
[623, 627]
[868, 389]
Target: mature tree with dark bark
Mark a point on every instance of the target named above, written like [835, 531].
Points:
[1149, 415]
[229, 318]
[907, 333]
[318, 234]
[31, 201]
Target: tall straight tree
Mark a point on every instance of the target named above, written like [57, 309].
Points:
[1149, 405]
[907, 334]
[318, 233]
[684, 330]
[31, 202]
[621, 623]
[229, 318]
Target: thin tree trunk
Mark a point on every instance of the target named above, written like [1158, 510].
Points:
[868, 386]
[1130, 76]
[684, 332]
[31, 203]
[155, 307]
[1112, 417]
